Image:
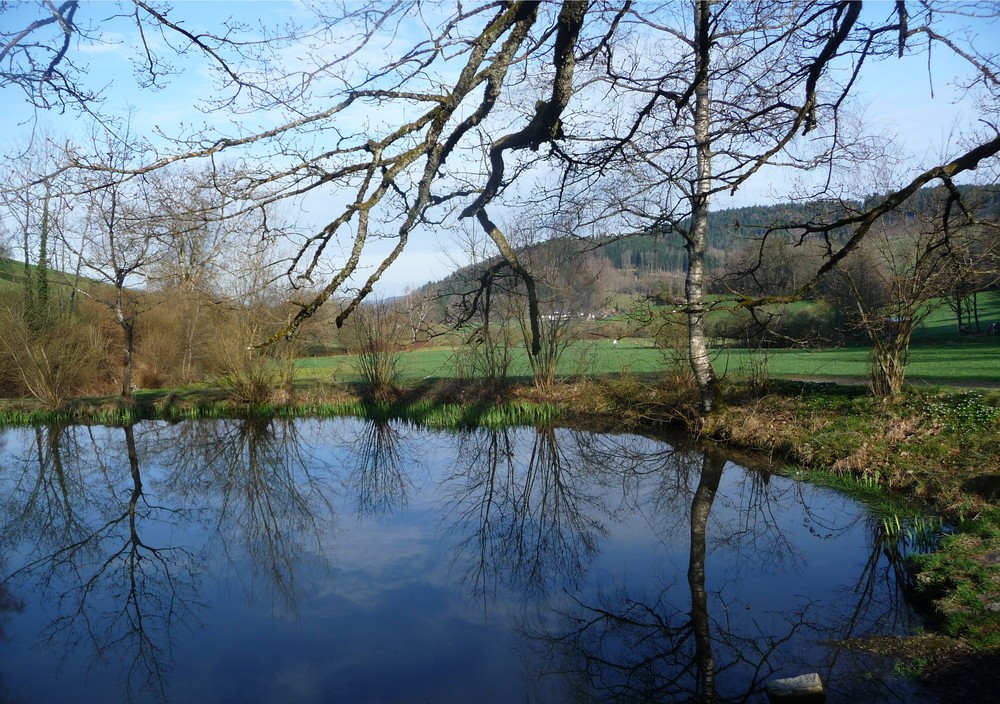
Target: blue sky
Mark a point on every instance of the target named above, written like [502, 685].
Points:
[896, 96]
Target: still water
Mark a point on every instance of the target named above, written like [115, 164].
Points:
[359, 561]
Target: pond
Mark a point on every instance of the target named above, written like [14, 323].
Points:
[353, 560]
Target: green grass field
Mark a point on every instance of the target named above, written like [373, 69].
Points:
[938, 356]
[956, 363]
[974, 361]
[943, 324]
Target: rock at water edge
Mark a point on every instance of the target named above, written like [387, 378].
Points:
[804, 689]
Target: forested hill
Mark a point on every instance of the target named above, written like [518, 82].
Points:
[665, 251]
[648, 263]
[654, 262]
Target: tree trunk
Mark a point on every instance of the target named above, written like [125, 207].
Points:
[701, 507]
[127, 325]
[694, 285]
[29, 285]
[888, 371]
[127, 374]
[187, 362]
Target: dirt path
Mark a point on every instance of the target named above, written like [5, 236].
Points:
[918, 382]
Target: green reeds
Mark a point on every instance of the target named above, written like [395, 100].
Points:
[435, 415]
[910, 534]
[424, 412]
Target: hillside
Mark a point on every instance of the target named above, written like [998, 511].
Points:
[655, 263]
[11, 273]
[651, 263]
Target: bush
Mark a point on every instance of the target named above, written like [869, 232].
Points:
[486, 356]
[252, 384]
[170, 342]
[373, 339]
[53, 363]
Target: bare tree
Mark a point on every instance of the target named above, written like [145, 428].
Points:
[739, 90]
[567, 292]
[45, 352]
[119, 242]
[37, 59]
[252, 309]
[196, 231]
[494, 308]
[197, 235]
[905, 271]
[375, 338]
[974, 256]
[35, 204]
[43, 43]
[418, 307]
[481, 312]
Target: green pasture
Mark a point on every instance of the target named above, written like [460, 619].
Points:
[582, 358]
[11, 275]
[975, 360]
[949, 363]
[941, 323]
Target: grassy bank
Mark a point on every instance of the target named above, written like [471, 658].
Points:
[939, 447]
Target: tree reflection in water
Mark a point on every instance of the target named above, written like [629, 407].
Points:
[627, 645]
[250, 482]
[9, 604]
[119, 596]
[525, 518]
[263, 495]
[378, 479]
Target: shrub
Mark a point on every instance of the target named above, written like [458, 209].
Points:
[51, 364]
[373, 339]
[252, 384]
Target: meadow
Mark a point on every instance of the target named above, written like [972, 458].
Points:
[938, 356]
[974, 361]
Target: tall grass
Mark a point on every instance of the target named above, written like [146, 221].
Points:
[425, 412]
[431, 414]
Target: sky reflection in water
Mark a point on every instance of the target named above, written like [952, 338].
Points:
[356, 561]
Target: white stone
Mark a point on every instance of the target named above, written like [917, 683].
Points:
[804, 688]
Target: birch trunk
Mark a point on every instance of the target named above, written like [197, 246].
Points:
[694, 285]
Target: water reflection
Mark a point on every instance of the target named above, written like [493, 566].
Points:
[262, 495]
[629, 647]
[624, 644]
[378, 479]
[526, 516]
[580, 566]
[118, 596]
